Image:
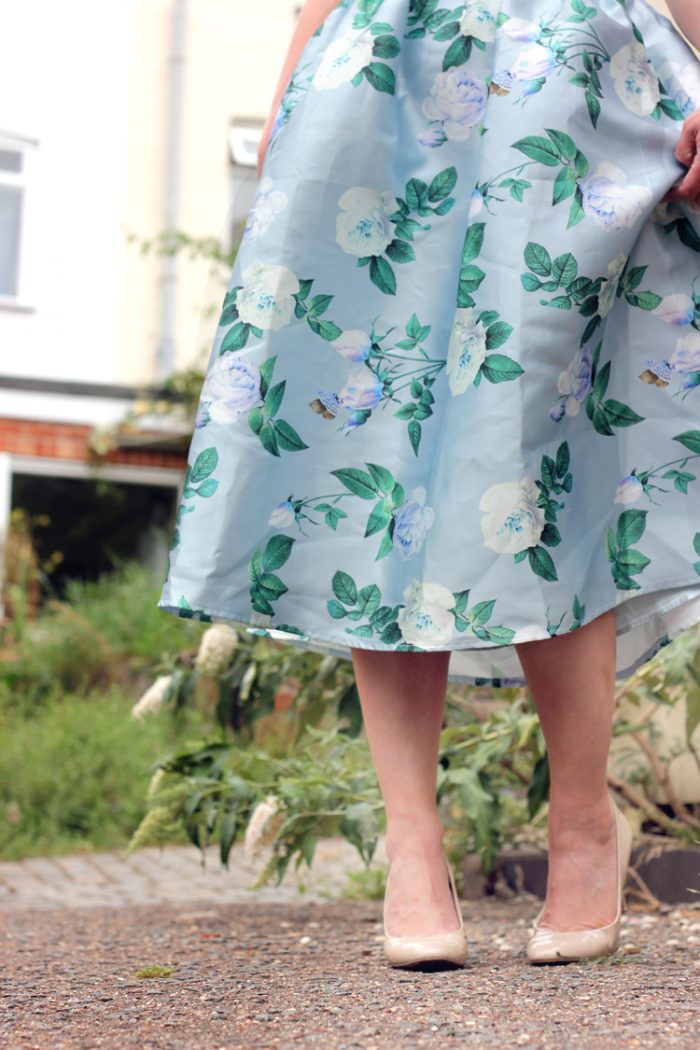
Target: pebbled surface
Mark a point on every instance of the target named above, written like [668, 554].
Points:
[254, 975]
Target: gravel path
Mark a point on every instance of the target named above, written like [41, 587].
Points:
[307, 975]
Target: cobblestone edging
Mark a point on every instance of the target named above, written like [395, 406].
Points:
[171, 875]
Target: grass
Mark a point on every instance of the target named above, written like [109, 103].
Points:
[74, 765]
[74, 772]
[155, 971]
[105, 632]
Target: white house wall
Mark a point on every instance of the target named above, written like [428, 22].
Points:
[63, 81]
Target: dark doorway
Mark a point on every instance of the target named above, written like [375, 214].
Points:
[94, 524]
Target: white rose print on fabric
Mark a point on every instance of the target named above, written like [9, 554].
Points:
[425, 620]
[512, 520]
[363, 226]
[609, 200]
[353, 345]
[466, 351]
[265, 299]
[635, 79]
[454, 107]
[682, 84]
[230, 391]
[411, 522]
[479, 19]
[608, 289]
[267, 203]
[574, 385]
[342, 60]
[677, 309]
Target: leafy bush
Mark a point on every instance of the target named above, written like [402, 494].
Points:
[105, 632]
[290, 777]
[74, 773]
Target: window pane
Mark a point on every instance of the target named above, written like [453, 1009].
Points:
[10, 160]
[10, 219]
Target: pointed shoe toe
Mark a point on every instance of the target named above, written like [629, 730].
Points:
[449, 948]
[559, 946]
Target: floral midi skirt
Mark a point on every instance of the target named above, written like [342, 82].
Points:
[453, 401]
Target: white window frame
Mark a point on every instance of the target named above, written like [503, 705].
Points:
[19, 180]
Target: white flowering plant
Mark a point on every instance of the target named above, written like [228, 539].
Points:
[288, 763]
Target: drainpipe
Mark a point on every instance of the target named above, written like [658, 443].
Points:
[176, 78]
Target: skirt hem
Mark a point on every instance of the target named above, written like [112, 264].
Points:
[333, 646]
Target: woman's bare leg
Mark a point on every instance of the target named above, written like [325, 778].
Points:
[402, 695]
[572, 680]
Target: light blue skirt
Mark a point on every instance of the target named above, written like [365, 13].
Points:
[453, 400]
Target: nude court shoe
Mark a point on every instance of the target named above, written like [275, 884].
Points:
[450, 947]
[559, 946]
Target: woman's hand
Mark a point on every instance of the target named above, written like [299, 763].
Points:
[687, 151]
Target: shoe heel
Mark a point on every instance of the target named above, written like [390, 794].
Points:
[440, 948]
[558, 946]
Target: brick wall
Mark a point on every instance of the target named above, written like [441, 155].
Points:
[27, 437]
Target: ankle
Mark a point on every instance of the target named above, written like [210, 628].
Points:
[415, 837]
[570, 818]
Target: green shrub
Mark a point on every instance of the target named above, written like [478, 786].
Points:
[105, 632]
[74, 773]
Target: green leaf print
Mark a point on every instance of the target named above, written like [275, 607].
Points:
[555, 479]
[379, 518]
[541, 563]
[564, 144]
[605, 415]
[644, 300]
[497, 334]
[382, 275]
[690, 439]
[380, 486]
[625, 561]
[498, 368]
[312, 310]
[276, 552]
[457, 53]
[564, 185]
[696, 546]
[204, 465]
[235, 338]
[273, 398]
[365, 603]
[540, 149]
[442, 185]
[386, 46]
[473, 241]
[400, 251]
[357, 481]
[274, 434]
[197, 482]
[344, 587]
[630, 527]
[381, 77]
[538, 259]
[558, 149]
[267, 587]
[366, 10]
[383, 478]
[423, 200]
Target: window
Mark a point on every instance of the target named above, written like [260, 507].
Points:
[14, 159]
